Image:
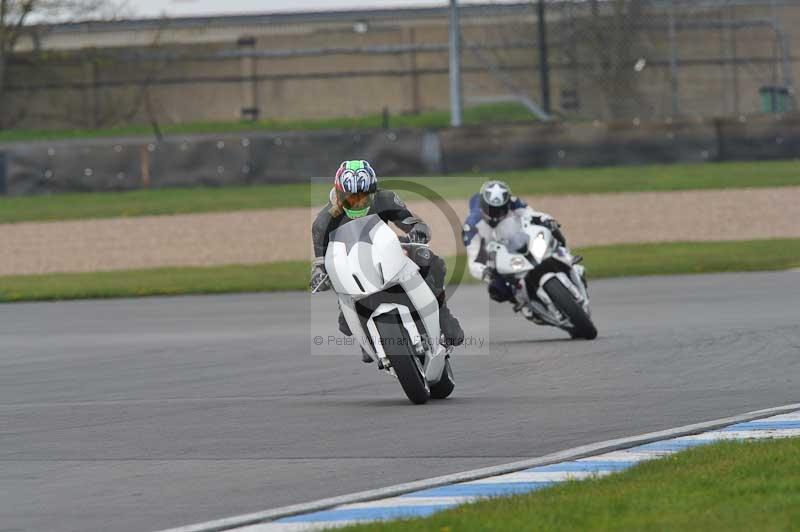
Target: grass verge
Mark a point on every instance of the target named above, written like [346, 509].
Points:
[603, 261]
[726, 486]
[478, 114]
[654, 178]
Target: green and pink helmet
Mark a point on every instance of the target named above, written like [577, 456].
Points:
[355, 186]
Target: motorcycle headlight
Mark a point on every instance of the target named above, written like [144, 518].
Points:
[539, 247]
[517, 264]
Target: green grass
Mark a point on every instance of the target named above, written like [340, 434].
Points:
[601, 262]
[654, 178]
[691, 257]
[677, 258]
[747, 486]
[480, 114]
[153, 202]
[156, 282]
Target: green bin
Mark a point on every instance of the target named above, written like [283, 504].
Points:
[775, 99]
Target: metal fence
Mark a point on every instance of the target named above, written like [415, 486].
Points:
[646, 60]
[606, 60]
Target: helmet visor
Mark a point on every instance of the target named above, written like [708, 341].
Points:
[494, 215]
[355, 205]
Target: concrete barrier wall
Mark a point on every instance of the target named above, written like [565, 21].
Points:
[134, 163]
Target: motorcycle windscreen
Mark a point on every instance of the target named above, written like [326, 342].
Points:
[507, 229]
[363, 256]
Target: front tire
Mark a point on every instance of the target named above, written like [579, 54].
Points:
[401, 355]
[445, 386]
[562, 298]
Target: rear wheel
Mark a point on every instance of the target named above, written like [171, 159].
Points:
[443, 388]
[582, 326]
[405, 363]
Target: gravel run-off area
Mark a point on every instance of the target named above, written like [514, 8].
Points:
[249, 237]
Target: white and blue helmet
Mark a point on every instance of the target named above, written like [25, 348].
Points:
[495, 202]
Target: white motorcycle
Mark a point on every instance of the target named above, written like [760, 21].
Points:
[389, 307]
[549, 287]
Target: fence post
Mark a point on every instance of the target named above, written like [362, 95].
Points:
[250, 110]
[544, 62]
[3, 173]
[416, 105]
[673, 59]
[719, 133]
[144, 165]
[455, 66]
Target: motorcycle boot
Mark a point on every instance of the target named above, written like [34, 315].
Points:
[531, 311]
[344, 328]
[449, 325]
[365, 357]
[581, 271]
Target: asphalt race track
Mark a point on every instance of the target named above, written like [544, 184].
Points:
[136, 415]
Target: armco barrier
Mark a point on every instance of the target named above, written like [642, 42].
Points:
[759, 139]
[512, 147]
[246, 158]
[132, 163]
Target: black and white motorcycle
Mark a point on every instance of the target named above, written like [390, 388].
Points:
[549, 285]
[389, 307]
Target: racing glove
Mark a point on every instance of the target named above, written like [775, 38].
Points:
[555, 227]
[488, 275]
[551, 224]
[319, 279]
[419, 234]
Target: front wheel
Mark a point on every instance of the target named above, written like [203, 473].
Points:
[562, 298]
[401, 355]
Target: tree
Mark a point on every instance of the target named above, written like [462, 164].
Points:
[21, 18]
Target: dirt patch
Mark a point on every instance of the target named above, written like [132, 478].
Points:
[249, 237]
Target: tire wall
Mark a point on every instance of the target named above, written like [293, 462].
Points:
[258, 158]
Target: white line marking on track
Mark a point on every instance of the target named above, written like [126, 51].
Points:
[408, 501]
[296, 527]
[479, 479]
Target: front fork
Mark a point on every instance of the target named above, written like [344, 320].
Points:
[539, 309]
[542, 305]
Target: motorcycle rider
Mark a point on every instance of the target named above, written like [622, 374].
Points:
[488, 208]
[356, 194]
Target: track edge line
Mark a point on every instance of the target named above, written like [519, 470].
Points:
[573, 453]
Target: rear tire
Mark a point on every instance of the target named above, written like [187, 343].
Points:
[582, 326]
[401, 355]
[443, 388]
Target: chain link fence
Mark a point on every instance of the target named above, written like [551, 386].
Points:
[650, 60]
[607, 60]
